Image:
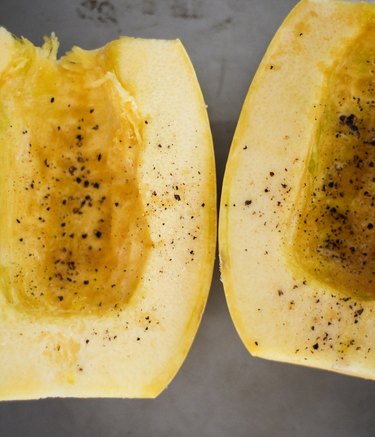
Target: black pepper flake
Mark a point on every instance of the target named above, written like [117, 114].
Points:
[84, 236]
[370, 226]
[96, 185]
[349, 121]
[52, 99]
[99, 157]
[316, 346]
[86, 282]
[98, 234]
[61, 298]
[177, 197]
[248, 202]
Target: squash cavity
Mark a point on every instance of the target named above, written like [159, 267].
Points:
[334, 239]
[74, 236]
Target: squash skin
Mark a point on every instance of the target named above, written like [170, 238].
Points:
[137, 352]
[280, 313]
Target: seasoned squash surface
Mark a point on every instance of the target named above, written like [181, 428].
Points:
[334, 241]
[71, 138]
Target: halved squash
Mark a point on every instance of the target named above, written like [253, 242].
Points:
[108, 220]
[296, 235]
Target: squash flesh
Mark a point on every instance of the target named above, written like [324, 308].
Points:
[79, 235]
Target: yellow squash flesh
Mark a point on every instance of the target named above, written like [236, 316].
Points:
[296, 236]
[107, 217]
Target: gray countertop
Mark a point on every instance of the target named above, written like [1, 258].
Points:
[220, 390]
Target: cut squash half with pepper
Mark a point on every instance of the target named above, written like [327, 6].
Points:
[107, 232]
[297, 238]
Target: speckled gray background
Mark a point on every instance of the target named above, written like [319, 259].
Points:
[221, 390]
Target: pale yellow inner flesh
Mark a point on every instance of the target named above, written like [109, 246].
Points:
[335, 237]
[73, 235]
